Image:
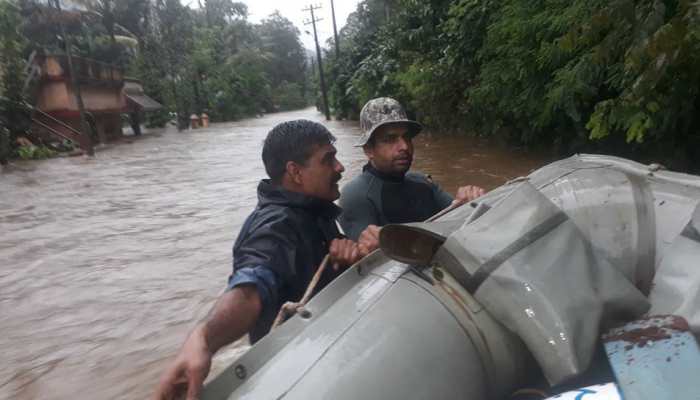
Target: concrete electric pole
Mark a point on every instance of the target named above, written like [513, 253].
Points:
[335, 32]
[318, 58]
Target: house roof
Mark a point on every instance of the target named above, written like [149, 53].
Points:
[142, 101]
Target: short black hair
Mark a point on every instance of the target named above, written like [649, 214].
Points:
[292, 141]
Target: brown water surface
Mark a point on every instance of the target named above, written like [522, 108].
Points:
[107, 263]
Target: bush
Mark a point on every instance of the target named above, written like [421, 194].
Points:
[288, 96]
[35, 152]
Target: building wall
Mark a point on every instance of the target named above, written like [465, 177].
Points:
[56, 96]
[101, 99]
[52, 67]
[53, 96]
[101, 87]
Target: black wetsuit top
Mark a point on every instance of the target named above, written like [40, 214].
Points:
[379, 199]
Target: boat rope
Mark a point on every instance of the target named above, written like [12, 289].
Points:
[290, 308]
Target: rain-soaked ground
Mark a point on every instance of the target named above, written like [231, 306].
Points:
[107, 263]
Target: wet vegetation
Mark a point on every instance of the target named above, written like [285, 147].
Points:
[617, 76]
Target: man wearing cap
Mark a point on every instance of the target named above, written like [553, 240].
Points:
[386, 192]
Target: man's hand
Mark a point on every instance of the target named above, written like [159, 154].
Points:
[468, 193]
[234, 314]
[188, 371]
[343, 253]
[369, 240]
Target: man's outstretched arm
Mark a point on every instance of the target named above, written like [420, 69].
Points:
[233, 315]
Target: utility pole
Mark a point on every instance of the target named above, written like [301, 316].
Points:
[318, 58]
[75, 85]
[335, 32]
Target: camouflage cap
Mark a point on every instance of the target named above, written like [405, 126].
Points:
[383, 111]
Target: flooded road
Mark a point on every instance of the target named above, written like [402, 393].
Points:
[107, 263]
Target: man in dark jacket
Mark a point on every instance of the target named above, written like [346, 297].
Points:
[386, 192]
[277, 252]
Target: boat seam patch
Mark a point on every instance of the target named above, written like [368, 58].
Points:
[534, 234]
[646, 232]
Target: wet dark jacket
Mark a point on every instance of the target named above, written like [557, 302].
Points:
[279, 248]
[379, 199]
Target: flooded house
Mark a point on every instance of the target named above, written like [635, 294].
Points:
[107, 96]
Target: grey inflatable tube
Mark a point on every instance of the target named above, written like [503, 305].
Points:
[384, 330]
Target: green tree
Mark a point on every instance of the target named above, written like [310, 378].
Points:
[618, 76]
[286, 60]
[13, 116]
[222, 12]
[351, 86]
[176, 34]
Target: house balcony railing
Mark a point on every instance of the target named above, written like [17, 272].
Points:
[87, 71]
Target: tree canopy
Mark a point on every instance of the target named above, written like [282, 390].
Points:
[618, 76]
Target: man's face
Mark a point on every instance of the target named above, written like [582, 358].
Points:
[319, 177]
[392, 149]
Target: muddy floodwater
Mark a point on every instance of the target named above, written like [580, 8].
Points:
[107, 263]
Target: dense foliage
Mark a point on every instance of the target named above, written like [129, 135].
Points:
[206, 59]
[619, 76]
[13, 117]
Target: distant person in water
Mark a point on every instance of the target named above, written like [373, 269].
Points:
[386, 192]
[277, 252]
